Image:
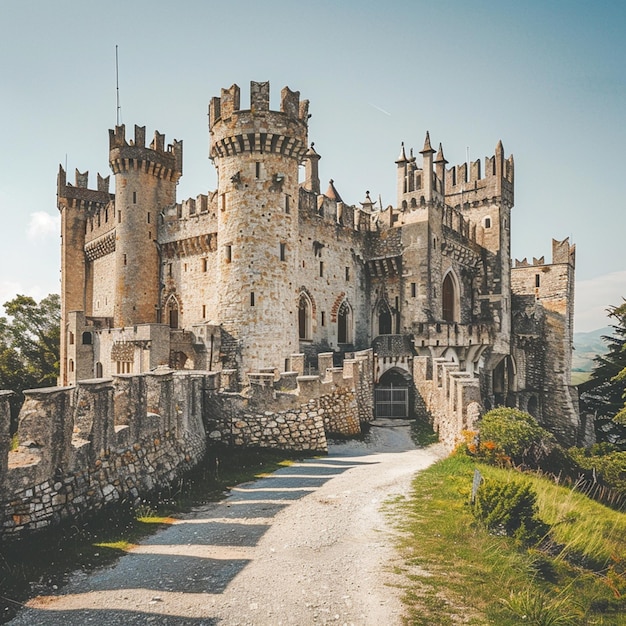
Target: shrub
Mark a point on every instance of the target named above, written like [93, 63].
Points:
[510, 508]
[517, 435]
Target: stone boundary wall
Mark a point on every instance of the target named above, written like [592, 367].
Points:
[452, 397]
[295, 412]
[108, 440]
[100, 442]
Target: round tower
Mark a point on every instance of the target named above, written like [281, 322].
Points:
[257, 153]
[145, 183]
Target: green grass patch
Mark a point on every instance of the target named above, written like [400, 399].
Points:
[456, 571]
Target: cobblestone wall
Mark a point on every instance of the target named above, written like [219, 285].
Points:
[80, 449]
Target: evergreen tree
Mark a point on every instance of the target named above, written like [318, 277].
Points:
[603, 395]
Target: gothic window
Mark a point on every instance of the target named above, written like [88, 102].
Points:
[304, 317]
[172, 312]
[450, 299]
[344, 323]
[384, 320]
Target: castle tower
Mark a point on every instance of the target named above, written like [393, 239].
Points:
[257, 153]
[145, 183]
[76, 204]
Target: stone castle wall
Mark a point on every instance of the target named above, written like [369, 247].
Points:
[105, 441]
[100, 442]
[292, 411]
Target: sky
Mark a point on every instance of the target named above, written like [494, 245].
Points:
[548, 78]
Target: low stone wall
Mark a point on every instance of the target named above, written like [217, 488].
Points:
[87, 446]
[451, 397]
[294, 412]
[105, 441]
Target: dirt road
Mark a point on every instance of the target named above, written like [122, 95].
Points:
[306, 545]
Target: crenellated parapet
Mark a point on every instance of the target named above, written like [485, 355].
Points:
[79, 195]
[459, 186]
[467, 185]
[161, 162]
[258, 129]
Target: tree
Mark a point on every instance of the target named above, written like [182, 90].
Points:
[603, 395]
[29, 343]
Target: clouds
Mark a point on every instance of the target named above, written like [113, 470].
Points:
[594, 296]
[43, 225]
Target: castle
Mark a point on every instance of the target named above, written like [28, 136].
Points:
[265, 273]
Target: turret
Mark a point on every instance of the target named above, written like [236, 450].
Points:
[401, 162]
[257, 153]
[440, 170]
[311, 170]
[145, 183]
[427, 153]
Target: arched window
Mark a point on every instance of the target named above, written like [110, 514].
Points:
[450, 300]
[384, 319]
[87, 338]
[98, 370]
[172, 312]
[304, 317]
[344, 323]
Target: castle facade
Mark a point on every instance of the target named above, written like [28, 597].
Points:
[267, 272]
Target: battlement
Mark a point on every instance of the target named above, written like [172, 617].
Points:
[258, 129]
[80, 192]
[562, 253]
[156, 159]
[465, 185]
[457, 186]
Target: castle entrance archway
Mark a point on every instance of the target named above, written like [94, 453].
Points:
[393, 395]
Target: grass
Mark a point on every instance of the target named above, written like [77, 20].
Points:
[457, 572]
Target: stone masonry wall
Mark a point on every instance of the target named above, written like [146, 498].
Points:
[292, 411]
[84, 447]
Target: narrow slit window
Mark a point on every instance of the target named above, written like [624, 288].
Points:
[258, 169]
[321, 268]
[287, 207]
[134, 197]
[252, 300]
[228, 253]
[205, 264]
[537, 280]
[283, 250]
[413, 290]
[347, 273]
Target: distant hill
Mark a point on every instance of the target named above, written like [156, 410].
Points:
[586, 347]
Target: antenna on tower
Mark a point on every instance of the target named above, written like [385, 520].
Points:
[117, 87]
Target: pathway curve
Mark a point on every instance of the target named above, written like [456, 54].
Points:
[306, 545]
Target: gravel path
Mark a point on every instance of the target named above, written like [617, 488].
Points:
[306, 545]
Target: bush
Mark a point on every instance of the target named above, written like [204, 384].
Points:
[510, 508]
[516, 435]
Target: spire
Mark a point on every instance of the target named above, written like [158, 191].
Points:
[310, 153]
[440, 158]
[367, 204]
[402, 158]
[427, 147]
[311, 170]
[332, 193]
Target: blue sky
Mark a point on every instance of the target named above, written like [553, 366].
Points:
[547, 78]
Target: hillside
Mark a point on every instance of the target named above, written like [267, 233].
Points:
[586, 347]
